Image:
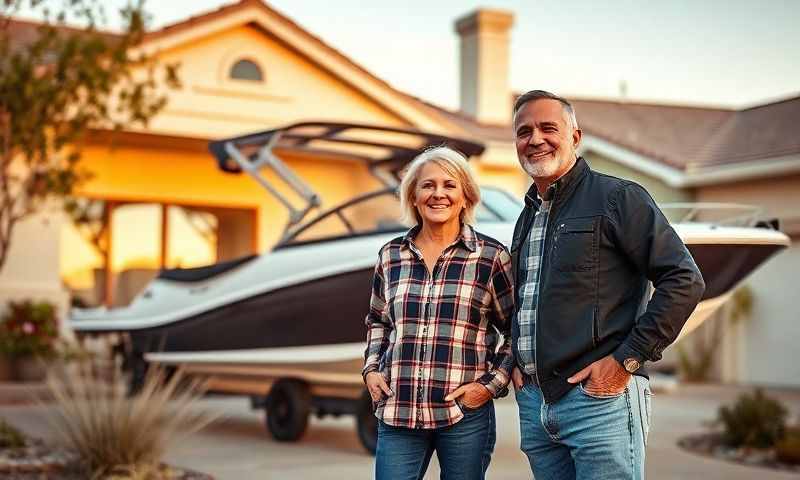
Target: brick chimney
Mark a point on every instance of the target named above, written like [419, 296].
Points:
[485, 92]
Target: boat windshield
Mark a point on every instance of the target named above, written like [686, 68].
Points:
[379, 212]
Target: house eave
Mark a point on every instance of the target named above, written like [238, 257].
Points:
[693, 176]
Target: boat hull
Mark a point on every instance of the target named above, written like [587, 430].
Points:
[316, 314]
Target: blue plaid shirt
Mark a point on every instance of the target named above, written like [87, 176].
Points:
[531, 252]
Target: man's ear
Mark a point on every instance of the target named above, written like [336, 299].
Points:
[576, 138]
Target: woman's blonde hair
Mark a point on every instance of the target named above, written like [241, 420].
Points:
[455, 164]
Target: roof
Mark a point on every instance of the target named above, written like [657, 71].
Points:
[24, 32]
[686, 137]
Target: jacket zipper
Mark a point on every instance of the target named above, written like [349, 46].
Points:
[550, 214]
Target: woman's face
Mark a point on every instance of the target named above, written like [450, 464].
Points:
[438, 197]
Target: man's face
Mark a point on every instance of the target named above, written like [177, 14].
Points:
[545, 139]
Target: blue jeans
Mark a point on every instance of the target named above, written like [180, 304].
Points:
[463, 449]
[586, 437]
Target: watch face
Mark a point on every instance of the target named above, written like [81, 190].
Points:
[631, 364]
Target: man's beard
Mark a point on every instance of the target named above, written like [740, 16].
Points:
[544, 168]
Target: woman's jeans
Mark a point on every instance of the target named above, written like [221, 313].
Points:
[463, 449]
[585, 437]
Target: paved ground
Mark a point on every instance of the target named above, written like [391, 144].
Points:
[237, 446]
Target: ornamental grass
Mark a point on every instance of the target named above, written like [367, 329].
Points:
[120, 436]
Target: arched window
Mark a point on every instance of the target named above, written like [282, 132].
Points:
[246, 70]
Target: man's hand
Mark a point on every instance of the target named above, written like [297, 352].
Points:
[377, 387]
[472, 395]
[516, 378]
[605, 377]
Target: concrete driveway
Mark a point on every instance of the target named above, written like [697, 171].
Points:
[237, 446]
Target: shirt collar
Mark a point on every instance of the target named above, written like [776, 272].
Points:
[466, 237]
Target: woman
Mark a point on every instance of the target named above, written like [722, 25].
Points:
[434, 359]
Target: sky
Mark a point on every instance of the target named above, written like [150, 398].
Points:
[733, 53]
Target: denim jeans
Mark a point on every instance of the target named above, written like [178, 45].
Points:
[463, 449]
[586, 437]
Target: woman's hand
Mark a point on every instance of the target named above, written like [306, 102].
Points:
[377, 386]
[471, 395]
[516, 378]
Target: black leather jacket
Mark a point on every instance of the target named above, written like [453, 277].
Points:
[605, 239]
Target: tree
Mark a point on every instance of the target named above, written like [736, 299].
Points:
[56, 83]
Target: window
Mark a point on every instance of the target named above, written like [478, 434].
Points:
[246, 70]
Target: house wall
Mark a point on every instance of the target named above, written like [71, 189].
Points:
[761, 351]
[659, 190]
[31, 268]
[211, 105]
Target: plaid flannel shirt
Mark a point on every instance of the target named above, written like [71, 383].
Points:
[531, 261]
[428, 334]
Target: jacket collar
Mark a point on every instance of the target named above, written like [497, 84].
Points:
[563, 185]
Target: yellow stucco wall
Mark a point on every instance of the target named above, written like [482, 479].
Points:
[210, 105]
[176, 176]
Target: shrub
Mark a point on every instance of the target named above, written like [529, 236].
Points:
[755, 420]
[10, 437]
[114, 433]
[29, 328]
[788, 448]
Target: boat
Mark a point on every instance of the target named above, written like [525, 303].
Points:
[286, 327]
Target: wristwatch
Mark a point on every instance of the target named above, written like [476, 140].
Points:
[631, 365]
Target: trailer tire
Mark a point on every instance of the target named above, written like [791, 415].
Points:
[366, 423]
[288, 407]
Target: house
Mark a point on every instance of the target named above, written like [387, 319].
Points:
[245, 67]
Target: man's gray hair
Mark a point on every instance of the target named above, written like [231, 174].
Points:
[534, 95]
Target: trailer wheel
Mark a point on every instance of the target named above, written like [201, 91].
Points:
[288, 406]
[366, 423]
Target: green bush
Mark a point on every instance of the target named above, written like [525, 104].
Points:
[755, 420]
[29, 329]
[10, 437]
[788, 449]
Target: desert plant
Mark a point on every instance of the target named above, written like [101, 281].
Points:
[29, 328]
[10, 437]
[788, 448]
[115, 434]
[755, 420]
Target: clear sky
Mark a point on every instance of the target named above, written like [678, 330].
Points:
[719, 52]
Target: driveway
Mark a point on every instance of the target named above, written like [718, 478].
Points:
[237, 446]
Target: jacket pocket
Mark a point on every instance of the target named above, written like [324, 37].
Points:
[575, 245]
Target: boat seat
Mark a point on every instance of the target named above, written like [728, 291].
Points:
[202, 273]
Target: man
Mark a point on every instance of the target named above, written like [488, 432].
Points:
[583, 250]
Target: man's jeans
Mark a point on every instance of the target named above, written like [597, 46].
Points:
[586, 437]
[463, 449]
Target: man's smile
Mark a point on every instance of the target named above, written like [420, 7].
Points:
[537, 155]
